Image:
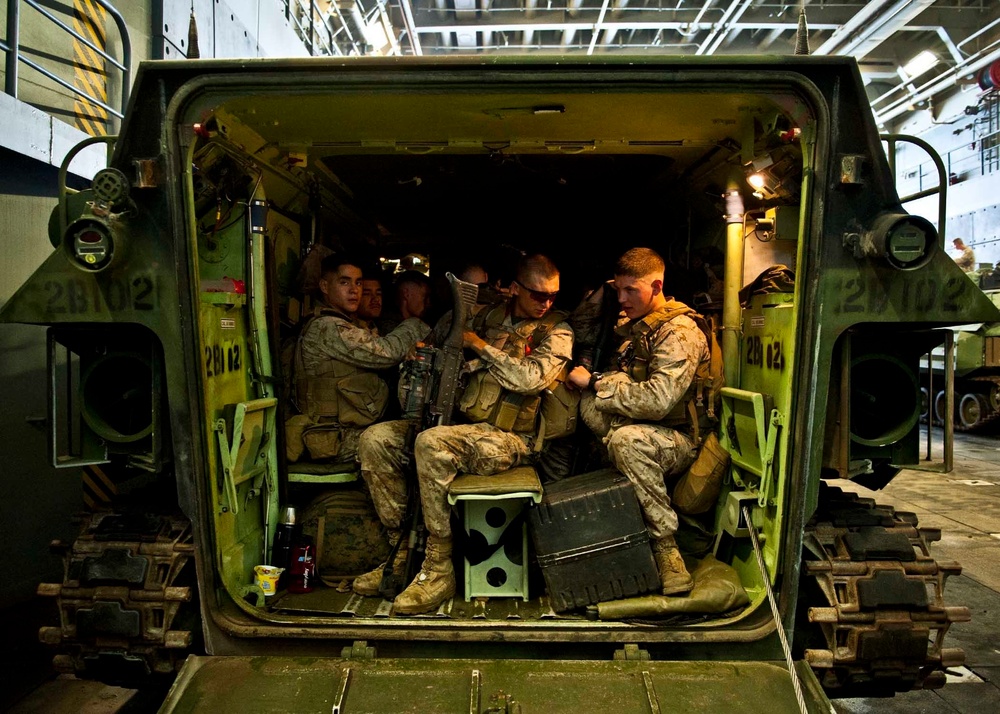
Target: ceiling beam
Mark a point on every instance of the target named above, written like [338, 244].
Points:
[871, 26]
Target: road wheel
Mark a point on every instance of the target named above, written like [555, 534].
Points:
[940, 406]
[972, 410]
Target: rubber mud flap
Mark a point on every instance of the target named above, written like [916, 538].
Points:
[114, 565]
[107, 618]
[879, 544]
[890, 588]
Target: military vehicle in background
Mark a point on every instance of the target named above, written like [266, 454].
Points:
[976, 392]
[179, 273]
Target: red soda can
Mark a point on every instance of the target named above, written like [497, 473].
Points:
[302, 574]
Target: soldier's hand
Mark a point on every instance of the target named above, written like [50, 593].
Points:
[473, 341]
[579, 377]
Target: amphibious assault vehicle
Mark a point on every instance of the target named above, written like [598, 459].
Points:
[180, 272]
[976, 362]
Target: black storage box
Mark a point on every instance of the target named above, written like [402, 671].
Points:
[591, 541]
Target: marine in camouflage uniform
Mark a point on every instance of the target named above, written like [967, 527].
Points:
[508, 355]
[336, 359]
[640, 411]
[967, 260]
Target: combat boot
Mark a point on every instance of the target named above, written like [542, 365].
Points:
[368, 583]
[674, 577]
[434, 584]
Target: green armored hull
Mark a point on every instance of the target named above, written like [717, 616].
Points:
[181, 273]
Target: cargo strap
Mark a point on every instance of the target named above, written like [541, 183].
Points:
[796, 685]
[608, 546]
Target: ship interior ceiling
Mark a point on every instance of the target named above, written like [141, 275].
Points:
[884, 35]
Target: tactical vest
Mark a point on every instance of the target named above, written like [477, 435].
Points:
[339, 391]
[551, 414]
[697, 408]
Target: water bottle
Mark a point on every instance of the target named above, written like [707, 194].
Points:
[284, 538]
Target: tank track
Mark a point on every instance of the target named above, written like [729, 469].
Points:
[120, 599]
[989, 418]
[876, 598]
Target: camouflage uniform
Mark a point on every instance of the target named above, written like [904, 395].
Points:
[334, 337]
[628, 414]
[967, 260]
[442, 452]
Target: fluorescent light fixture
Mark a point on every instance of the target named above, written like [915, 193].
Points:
[920, 64]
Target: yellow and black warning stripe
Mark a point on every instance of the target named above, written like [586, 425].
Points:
[90, 69]
[98, 489]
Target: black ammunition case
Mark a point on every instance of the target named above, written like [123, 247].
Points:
[591, 541]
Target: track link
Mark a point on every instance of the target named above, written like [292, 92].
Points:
[990, 417]
[120, 599]
[877, 599]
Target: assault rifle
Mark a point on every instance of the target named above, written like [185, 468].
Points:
[435, 376]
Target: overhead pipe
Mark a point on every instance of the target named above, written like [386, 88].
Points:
[721, 28]
[559, 48]
[610, 34]
[13, 48]
[731, 31]
[412, 32]
[977, 33]
[877, 22]
[597, 26]
[701, 13]
[940, 83]
[617, 25]
[859, 20]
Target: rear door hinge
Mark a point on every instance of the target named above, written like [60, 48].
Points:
[632, 653]
[359, 650]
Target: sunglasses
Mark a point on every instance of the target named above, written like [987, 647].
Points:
[537, 295]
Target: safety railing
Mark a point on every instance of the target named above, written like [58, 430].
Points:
[304, 15]
[14, 55]
[976, 157]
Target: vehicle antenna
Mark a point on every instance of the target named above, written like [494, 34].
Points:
[802, 34]
[193, 51]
